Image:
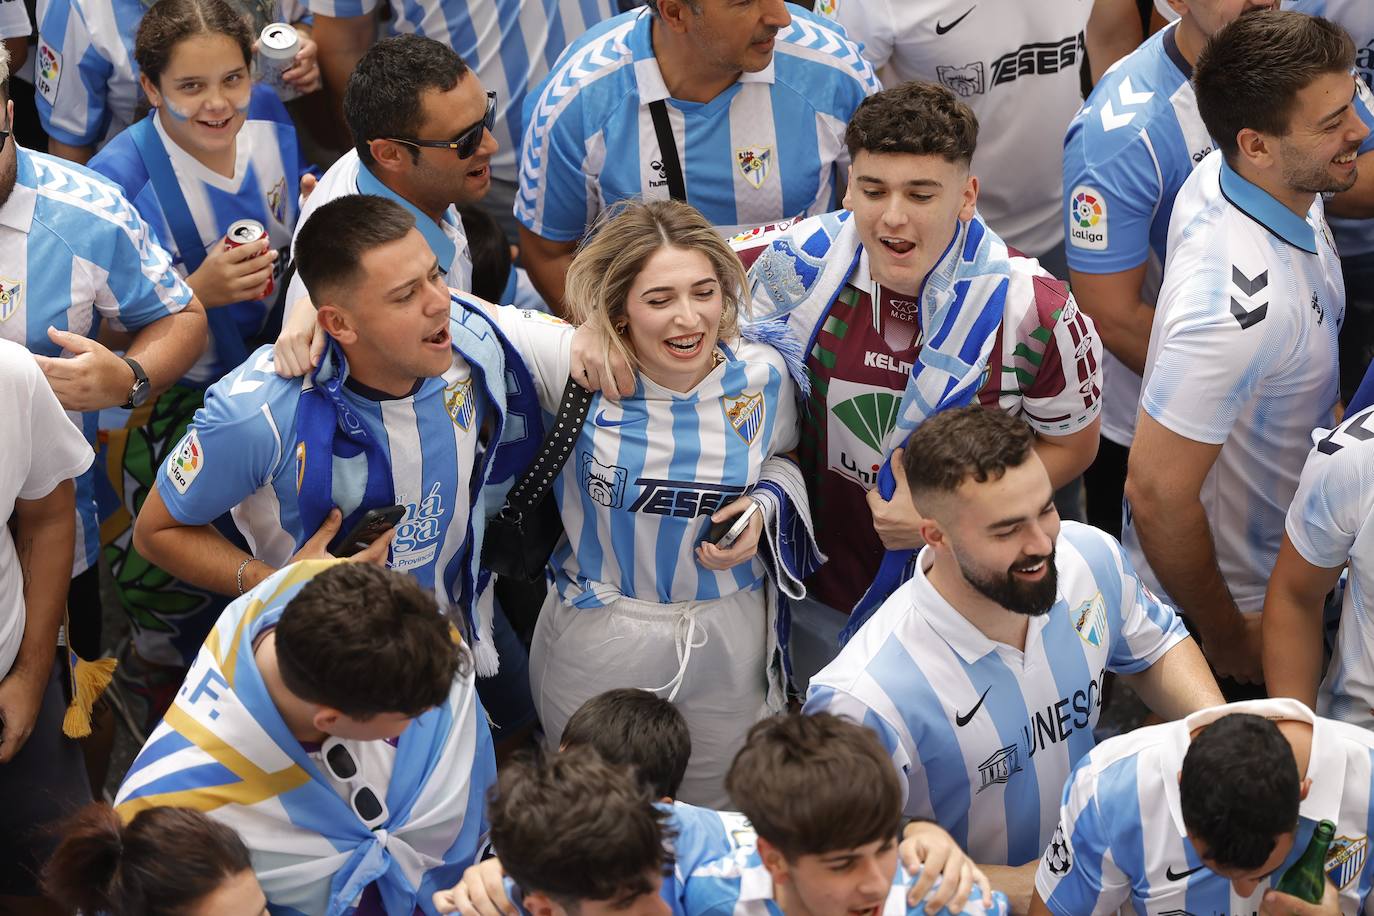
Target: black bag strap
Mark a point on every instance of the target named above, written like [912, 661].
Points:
[667, 149]
[553, 453]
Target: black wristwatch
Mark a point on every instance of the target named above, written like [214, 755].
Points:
[138, 395]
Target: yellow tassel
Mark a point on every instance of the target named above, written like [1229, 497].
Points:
[89, 680]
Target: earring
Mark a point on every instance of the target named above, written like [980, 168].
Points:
[621, 327]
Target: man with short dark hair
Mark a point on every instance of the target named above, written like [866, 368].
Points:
[1204, 815]
[827, 808]
[421, 125]
[982, 675]
[293, 727]
[1242, 363]
[909, 305]
[389, 423]
[736, 108]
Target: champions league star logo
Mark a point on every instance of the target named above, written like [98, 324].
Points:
[1058, 857]
[754, 163]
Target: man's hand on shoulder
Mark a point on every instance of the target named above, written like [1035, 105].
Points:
[480, 892]
[896, 520]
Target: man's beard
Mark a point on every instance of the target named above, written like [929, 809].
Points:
[1033, 599]
[9, 170]
[1315, 179]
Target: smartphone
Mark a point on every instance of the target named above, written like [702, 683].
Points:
[724, 534]
[370, 527]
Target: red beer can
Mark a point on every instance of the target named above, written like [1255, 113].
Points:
[246, 232]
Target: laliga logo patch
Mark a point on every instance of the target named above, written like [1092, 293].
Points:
[186, 463]
[754, 163]
[1090, 620]
[745, 414]
[460, 404]
[11, 294]
[48, 70]
[827, 7]
[1088, 219]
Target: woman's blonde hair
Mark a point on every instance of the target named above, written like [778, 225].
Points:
[610, 258]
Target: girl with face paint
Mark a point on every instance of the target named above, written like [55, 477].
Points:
[213, 150]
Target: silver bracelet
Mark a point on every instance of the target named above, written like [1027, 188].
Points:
[238, 576]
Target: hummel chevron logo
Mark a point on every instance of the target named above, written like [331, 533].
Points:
[1245, 284]
[1128, 97]
[1249, 286]
[1355, 430]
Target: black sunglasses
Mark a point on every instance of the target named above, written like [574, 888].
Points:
[466, 143]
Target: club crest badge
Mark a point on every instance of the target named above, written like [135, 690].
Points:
[1090, 620]
[1345, 859]
[745, 414]
[755, 162]
[460, 404]
[276, 201]
[11, 295]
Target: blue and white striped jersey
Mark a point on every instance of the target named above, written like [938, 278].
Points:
[1243, 355]
[74, 251]
[510, 44]
[1126, 154]
[85, 74]
[1121, 841]
[447, 240]
[646, 473]
[1353, 236]
[984, 735]
[1329, 524]
[738, 884]
[769, 147]
[265, 187]
[700, 835]
[242, 454]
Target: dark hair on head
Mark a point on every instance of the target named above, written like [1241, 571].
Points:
[143, 868]
[490, 249]
[382, 98]
[366, 640]
[330, 244]
[812, 784]
[635, 727]
[168, 22]
[1239, 789]
[924, 119]
[1234, 91]
[578, 828]
[968, 442]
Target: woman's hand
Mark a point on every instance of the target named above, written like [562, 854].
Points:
[745, 546]
[300, 342]
[304, 73]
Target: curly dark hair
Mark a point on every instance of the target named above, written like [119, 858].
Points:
[925, 119]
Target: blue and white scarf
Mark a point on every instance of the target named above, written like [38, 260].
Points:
[327, 427]
[223, 748]
[806, 265]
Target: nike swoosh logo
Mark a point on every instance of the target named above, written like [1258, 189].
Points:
[963, 720]
[1179, 876]
[602, 421]
[941, 29]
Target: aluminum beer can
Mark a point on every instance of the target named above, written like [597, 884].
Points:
[277, 47]
[246, 232]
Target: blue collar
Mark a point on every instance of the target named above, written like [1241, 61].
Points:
[1261, 207]
[443, 247]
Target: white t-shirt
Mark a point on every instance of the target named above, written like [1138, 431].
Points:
[1328, 525]
[42, 450]
[1243, 355]
[1016, 64]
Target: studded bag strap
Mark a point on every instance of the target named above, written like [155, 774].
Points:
[553, 453]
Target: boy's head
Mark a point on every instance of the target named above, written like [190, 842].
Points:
[825, 801]
[1239, 791]
[368, 648]
[634, 727]
[580, 836]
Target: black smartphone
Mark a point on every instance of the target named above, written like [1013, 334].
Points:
[725, 533]
[370, 527]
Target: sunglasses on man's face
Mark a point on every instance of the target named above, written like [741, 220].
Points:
[466, 143]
